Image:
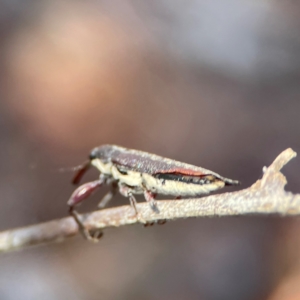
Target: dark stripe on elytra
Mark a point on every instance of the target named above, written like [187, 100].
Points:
[186, 179]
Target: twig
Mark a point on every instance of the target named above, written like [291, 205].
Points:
[266, 196]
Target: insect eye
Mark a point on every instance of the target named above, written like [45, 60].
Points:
[93, 154]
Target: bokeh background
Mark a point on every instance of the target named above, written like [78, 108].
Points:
[211, 83]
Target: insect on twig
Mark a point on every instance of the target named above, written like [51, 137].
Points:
[137, 172]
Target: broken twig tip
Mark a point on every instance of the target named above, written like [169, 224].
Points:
[283, 158]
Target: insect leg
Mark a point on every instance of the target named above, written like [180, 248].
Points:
[85, 233]
[109, 195]
[78, 196]
[133, 202]
[127, 192]
[150, 198]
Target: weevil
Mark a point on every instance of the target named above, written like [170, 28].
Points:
[137, 172]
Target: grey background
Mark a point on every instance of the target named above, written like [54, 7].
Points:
[211, 83]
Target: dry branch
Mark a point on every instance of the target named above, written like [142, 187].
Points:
[266, 196]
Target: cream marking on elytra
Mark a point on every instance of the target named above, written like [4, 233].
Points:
[175, 188]
[131, 178]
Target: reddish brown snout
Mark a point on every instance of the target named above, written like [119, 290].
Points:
[81, 170]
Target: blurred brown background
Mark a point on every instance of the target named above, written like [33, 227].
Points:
[211, 83]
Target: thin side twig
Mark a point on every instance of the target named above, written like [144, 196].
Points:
[266, 196]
